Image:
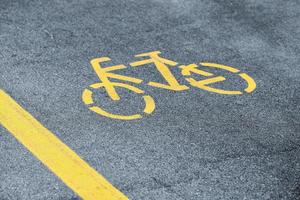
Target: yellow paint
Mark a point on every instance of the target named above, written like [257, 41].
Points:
[251, 83]
[187, 70]
[161, 66]
[53, 153]
[104, 75]
[220, 66]
[150, 104]
[204, 85]
[87, 99]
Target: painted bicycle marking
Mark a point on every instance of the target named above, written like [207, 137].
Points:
[105, 74]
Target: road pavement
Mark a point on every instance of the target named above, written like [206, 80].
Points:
[196, 144]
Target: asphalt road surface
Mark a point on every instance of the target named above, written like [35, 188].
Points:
[196, 144]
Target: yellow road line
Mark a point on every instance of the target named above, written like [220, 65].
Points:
[57, 156]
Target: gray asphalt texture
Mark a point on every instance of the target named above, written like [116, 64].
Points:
[196, 145]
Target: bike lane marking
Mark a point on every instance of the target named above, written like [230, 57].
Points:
[53, 153]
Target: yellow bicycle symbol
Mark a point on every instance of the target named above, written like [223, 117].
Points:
[105, 74]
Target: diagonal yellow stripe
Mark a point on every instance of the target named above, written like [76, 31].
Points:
[58, 157]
